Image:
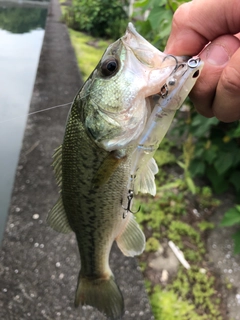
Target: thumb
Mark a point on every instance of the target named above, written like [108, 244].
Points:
[226, 104]
[216, 57]
[216, 54]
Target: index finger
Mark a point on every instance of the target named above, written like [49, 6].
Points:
[197, 22]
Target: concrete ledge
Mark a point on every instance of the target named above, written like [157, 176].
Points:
[38, 267]
[24, 3]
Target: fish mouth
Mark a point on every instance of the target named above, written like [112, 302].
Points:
[131, 32]
[146, 53]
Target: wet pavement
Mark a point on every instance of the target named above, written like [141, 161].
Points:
[39, 267]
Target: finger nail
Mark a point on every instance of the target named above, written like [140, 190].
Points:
[215, 54]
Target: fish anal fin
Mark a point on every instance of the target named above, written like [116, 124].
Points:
[57, 218]
[102, 294]
[132, 240]
[107, 168]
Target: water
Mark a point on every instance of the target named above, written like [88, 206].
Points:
[21, 37]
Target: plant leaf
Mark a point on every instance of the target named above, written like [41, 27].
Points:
[203, 125]
[235, 180]
[191, 185]
[197, 167]
[231, 217]
[210, 154]
[236, 239]
[160, 17]
[219, 182]
[223, 162]
[235, 133]
[181, 164]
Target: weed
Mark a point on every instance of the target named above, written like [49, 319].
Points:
[166, 304]
[191, 294]
[232, 218]
[152, 245]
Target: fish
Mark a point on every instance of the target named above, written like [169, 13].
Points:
[93, 165]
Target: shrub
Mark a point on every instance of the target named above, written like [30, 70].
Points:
[100, 18]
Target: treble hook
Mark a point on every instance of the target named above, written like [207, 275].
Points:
[128, 209]
[176, 60]
[164, 91]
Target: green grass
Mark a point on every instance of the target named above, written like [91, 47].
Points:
[88, 51]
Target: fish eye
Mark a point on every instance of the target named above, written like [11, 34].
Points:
[196, 74]
[109, 67]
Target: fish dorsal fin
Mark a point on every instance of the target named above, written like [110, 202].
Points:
[145, 180]
[57, 218]
[132, 240]
[57, 165]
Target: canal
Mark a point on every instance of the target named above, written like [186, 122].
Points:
[21, 35]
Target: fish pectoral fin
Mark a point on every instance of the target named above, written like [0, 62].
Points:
[107, 168]
[145, 180]
[57, 218]
[102, 294]
[132, 241]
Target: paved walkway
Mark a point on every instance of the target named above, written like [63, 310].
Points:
[38, 267]
[224, 261]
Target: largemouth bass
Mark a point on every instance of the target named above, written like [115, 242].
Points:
[93, 165]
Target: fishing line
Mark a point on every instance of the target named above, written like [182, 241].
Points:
[31, 113]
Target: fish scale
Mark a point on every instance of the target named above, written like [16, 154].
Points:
[84, 203]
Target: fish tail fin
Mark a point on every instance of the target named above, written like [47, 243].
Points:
[102, 294]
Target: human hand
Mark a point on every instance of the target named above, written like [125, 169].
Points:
[217, 91]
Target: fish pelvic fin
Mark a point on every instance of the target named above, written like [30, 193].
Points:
[57, 218]
[132, 240]
[145, 180]
[102, 294]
